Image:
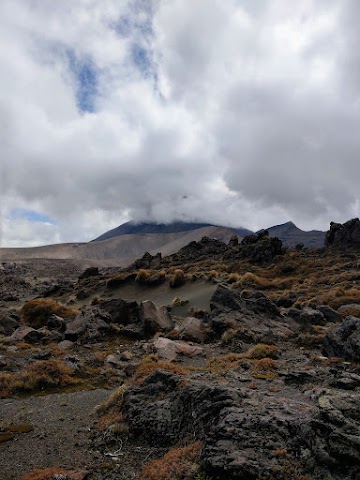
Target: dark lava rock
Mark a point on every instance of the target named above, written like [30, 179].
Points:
[329, 313]
[155, 319]
[260, 247]
[147, 261]
[242, 430]
[344, 340]
[56, 323]
[90, 272]
[88, 326]
[234, 241]
[253, 315]
[307, 317]
[8, 324]
[344, 236]
[123, 312]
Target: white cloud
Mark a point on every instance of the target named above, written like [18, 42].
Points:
[239, 112]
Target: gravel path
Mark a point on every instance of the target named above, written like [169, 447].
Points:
[61, 431]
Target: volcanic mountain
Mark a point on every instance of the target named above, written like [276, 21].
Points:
[134, 228]
[291, 236]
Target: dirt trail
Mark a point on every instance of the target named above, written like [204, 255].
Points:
[61, 432]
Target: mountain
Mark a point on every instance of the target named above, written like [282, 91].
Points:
[133, 228]
[291, 235]
[120, 250]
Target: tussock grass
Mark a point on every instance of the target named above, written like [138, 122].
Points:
[262, 350]
[150, 364]
[180, 463]
[35, 313]
[40, 375]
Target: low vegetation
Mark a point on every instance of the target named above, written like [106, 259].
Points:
[40, 375]
[35, 313]
[150, 364]
[180, 463]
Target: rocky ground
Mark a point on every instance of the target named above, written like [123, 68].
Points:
[219, 362]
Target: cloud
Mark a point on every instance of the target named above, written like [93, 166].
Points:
[239, 112]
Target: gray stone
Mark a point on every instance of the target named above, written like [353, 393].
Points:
[26, 334]
[192, 329]
[155, 319]
[344, 340]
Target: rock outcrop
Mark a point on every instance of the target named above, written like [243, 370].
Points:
[252, 314]
[247, 436]
[344, 340]
[344, 236]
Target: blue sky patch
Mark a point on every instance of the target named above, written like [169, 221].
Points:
[30, 215]
[86, 79]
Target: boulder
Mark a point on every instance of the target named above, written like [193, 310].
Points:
[329, 313]
[247, 435]
[88, 325]
[169, 349]
[56, 323]
[307, 317]
[344, 236]
[344, 340]
[155, 319]
[260, 247]
[26, 334]
[192, 329]
[8, 324]
[123, 312]
[252, 314]
[90, 272]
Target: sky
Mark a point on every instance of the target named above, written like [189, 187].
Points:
[240, 113]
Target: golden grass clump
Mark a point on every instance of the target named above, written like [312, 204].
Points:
[177, 278]
[251, 280]
[262, 350]
[110, 410]
[233, 278]
[338, 296]
[39, 375]
[149, 365]
[142, 275]
[180, 463]
[265, 365]
[35, 313]
[115, 400]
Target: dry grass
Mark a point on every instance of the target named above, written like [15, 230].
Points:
[142, 275]
[177, 464]
[177, 278]
[149, 365]
[40, 375]
[36, 313]
[219, 365]
[265, 365]
[115, 400]
[262, 350]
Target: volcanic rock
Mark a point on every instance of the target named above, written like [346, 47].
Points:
[344, 236]
[344, 340]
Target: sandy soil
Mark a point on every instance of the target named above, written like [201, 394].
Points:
[62, 425]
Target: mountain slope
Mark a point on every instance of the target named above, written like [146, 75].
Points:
[291, 235]
[174, 227]
[120, 250]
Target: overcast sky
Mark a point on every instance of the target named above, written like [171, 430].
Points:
[236, 112]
